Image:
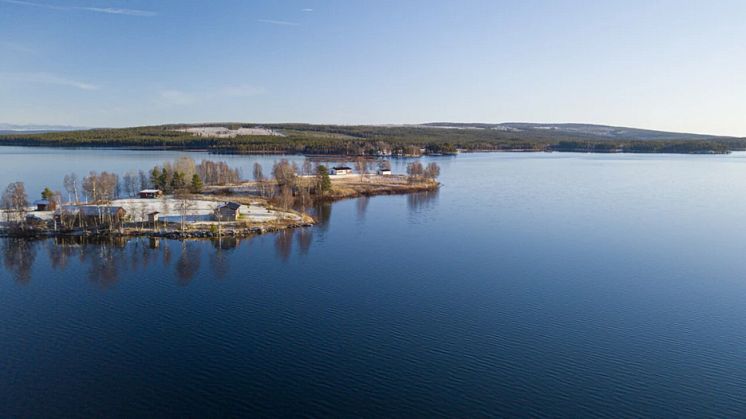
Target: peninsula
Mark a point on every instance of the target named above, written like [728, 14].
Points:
[183, 199]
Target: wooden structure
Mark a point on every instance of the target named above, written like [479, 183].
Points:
[150, 193]
[43, 205]
[341, 170]
[153, 217]
[228, 211]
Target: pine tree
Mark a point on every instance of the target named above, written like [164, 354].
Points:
[196, 184]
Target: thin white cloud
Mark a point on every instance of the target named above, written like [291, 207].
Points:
[106, 10]
[241, 90]
[173, 97]
[46, 78]
[306, 10]
[278, 22]
[167, 98]
[114, 11]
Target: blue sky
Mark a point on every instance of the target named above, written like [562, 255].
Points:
[673, 65]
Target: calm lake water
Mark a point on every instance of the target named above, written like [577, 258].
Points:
[530, 284]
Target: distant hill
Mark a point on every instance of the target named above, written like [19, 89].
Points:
[382, 140]
[35, 128]
[582, 130]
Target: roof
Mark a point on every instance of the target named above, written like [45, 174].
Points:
[41, 202]
[153, 213]
[150, 191]
[231, 205]
[342, 168]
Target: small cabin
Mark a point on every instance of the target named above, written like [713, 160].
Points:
[150, 193]
[341, 170]
[229, 211]
[384, 172]
[43, 205]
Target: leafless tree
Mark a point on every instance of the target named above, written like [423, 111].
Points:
[142, 209]
[384, 165]
[284, 173]
[258, 172]
[217, 173]
[361, 165]
[15, 200]
[184, 205]
[186, 166]
[71, 186]
[144, 181]
[415, 171]
[261, 183]
[307, 167]
[432, 171]
[131, 183]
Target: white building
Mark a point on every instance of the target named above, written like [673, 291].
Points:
[341, 170]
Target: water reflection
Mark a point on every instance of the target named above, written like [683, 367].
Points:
[188, 263]
[422, 201]
[322, 213]
[18, 258]
[284, 243]
[105, 262]
[361, 206]
[305, 238]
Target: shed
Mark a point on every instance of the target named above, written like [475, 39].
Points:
[153, 217]
[229, 211]
[43, 205]
[341, 170]
[150, 193]
[384, 172]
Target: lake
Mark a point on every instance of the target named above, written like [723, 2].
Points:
[531, 284]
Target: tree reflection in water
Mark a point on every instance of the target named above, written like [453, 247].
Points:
[188, 263]
[219, 258]
[361, 204]
[305, 238]
[18, 258]
[322, 213]
[106, 261]
[284, 243]
[422, 201]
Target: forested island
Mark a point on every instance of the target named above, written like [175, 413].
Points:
[384, 140]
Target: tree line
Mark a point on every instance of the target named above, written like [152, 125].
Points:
[362, 140]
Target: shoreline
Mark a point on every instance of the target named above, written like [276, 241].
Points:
[348, 156]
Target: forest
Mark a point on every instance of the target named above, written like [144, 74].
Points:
[404, 140]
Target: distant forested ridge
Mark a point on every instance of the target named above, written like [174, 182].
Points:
[406, 140]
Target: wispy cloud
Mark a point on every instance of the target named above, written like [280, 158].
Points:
[167, 98]
[114, 11]
[306, 10]
[173, 97]
[278, 22]
[106, 10]
[241, 90]
[46, 78]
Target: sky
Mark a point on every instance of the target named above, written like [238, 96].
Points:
[670, 65]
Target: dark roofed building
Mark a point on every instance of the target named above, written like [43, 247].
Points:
[229, 211]
[150, 193]
[43, 205]
[341, 170]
